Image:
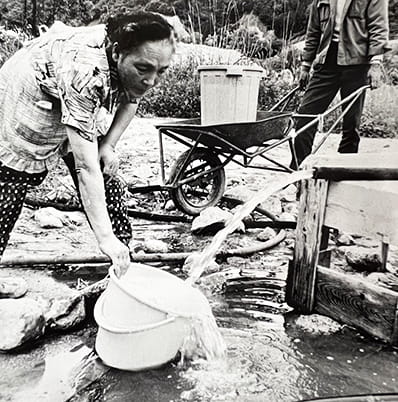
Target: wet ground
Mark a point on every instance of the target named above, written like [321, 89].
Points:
[273, 355]
[275, 358]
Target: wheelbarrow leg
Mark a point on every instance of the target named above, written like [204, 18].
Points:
[161, 158]
[294, 162]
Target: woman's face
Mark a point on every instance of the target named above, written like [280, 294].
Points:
[140, 69]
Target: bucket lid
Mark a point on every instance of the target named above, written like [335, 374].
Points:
[162, 290]
[231, 69]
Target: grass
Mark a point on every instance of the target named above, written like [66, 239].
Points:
[10, 42]
[380, 114]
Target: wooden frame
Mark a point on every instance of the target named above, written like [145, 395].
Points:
[362, 207]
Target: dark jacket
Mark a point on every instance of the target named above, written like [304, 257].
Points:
[363, 32]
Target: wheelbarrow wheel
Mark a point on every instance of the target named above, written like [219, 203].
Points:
[205, 189]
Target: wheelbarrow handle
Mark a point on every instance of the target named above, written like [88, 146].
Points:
[337, 173]
[285, 100]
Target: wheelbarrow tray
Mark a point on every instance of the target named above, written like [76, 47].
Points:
[270, 125]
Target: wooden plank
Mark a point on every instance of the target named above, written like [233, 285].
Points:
[339, 173]
[357, 161]
[366, 208]
[355, 301]
[300, 293]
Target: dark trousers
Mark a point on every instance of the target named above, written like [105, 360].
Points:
[323, 86]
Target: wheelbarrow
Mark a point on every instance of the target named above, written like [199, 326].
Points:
[197, 178]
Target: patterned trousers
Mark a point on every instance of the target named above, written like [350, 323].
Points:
[14, 186]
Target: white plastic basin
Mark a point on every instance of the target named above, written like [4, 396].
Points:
[138, 347]
[147, 295]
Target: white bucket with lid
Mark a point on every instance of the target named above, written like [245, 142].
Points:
[229, 93]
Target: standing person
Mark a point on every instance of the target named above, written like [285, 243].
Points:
[51, 92]
[344, 44]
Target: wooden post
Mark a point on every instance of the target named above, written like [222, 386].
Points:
[385, 245]
[394, 335]
[300, 289]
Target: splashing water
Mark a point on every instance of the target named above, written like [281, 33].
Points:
[205, 335]
[272, 186]
[204, 338]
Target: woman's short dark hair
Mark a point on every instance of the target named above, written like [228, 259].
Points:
[130, 30]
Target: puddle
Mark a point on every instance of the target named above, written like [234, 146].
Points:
[276, 358]
[272, 356]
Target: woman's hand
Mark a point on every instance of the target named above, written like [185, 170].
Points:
[108, 159]
[118, 253]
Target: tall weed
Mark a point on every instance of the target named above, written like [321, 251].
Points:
[380, 116]
[10, 42]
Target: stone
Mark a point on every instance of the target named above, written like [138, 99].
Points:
[189, 262]
[62, 306]
[132, 203]
[22, 320]
[170, 206]
[344, 239]
[64, 311]
[266, 234]
[49, 218]
[237, 261]
[76, 218]
[362, 259]
[291, 209]
[298, 326]
[388, 280]
[211, 220]
[272, 204]
[289, 194]
[287, 217]
[155, 246]
[12, 287]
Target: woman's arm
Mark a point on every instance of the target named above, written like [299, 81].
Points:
[92, 191]
[120, 122]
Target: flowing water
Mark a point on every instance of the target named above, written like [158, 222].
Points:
[272, 186]
[205, 332]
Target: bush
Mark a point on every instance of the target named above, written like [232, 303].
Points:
[10, 42]
[379, 118]
[177, 96]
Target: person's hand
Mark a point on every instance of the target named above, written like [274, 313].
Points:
[304, 76]
[375, 75]
[118, 253]
[109, 159]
